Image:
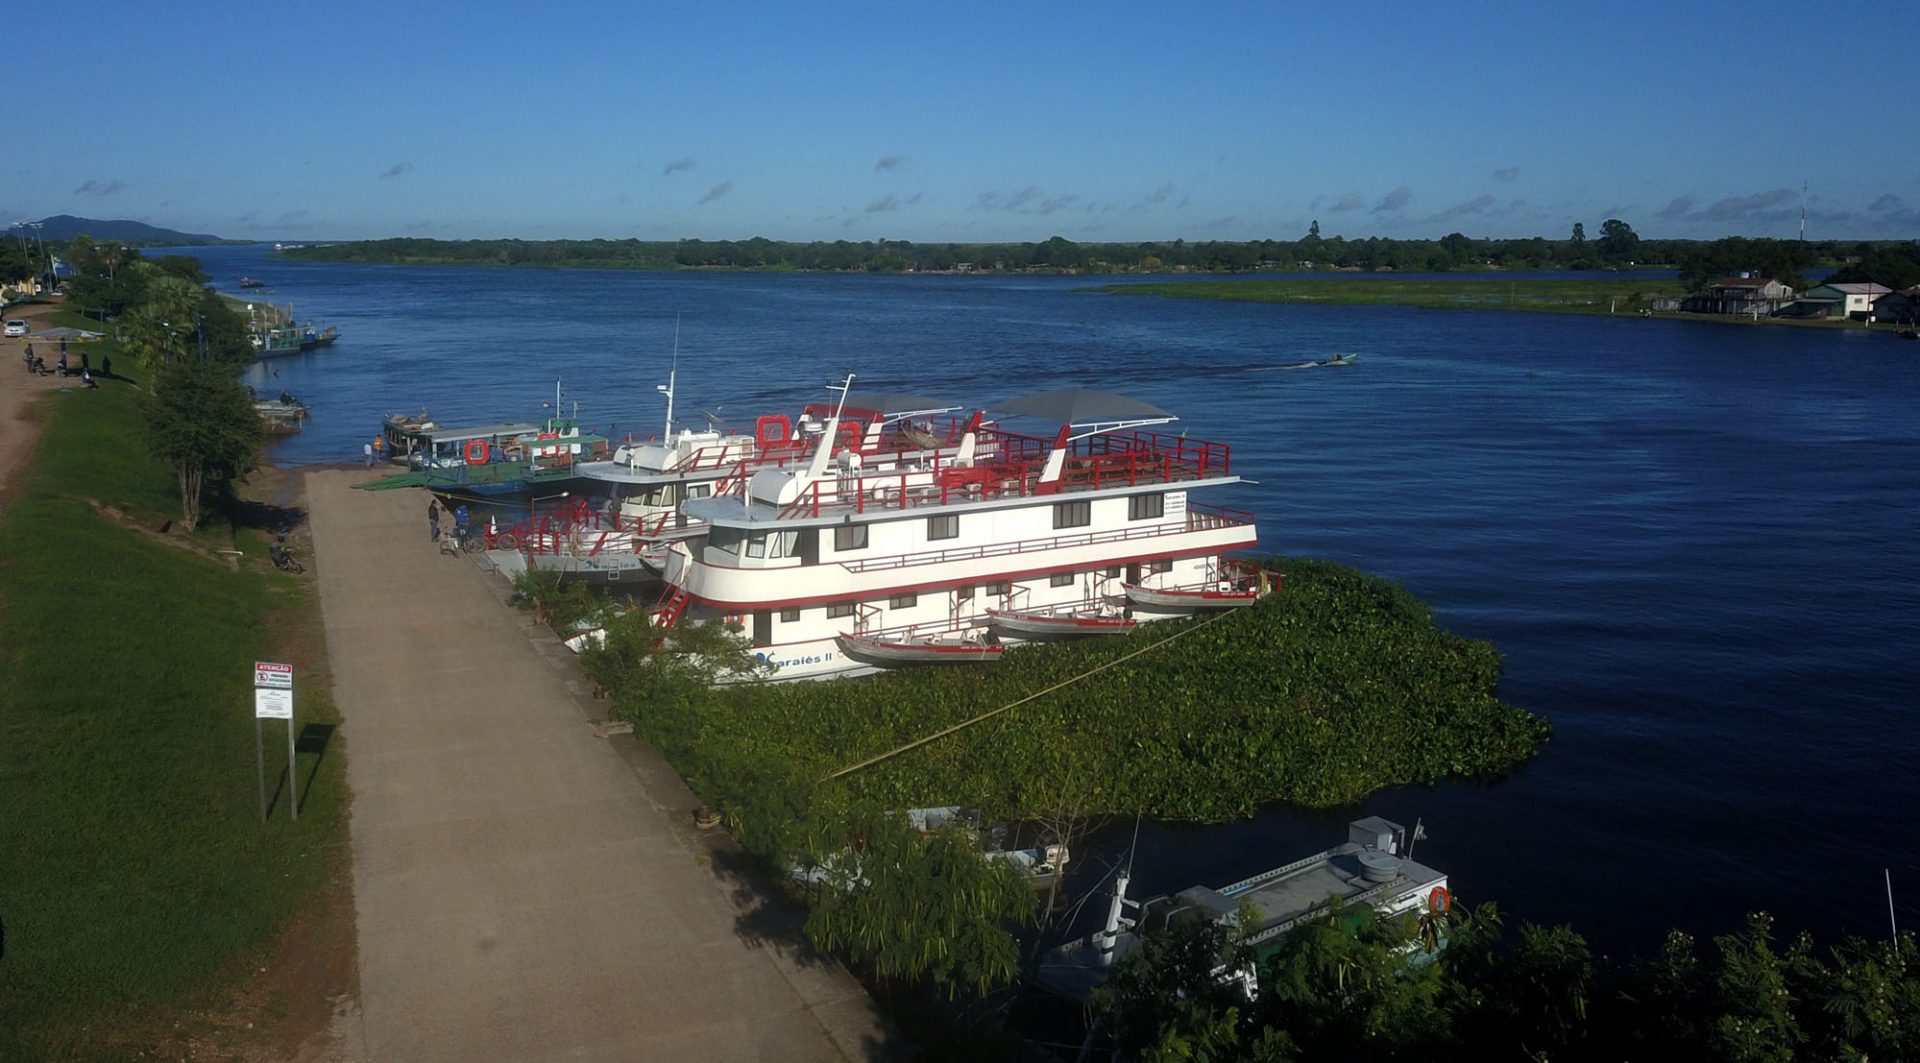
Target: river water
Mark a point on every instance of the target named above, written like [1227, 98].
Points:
[1694, 544]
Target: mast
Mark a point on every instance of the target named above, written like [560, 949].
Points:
[672, 375]
[818, 466]
[1803, 210]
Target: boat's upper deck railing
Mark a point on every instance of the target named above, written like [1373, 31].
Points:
[1012, 465]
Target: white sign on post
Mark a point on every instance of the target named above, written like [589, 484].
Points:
[273, 700]
[271, 675]
[273, 704]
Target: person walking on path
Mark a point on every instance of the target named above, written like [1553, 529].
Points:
[367, 449]
[83, 361]
[433, 521]
[106, 365]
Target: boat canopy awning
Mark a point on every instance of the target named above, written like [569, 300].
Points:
[893, 406]
[460, 435]
[1088, 408]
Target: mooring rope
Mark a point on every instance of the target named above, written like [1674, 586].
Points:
[964, 724]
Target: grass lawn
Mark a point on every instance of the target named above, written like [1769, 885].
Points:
[135, 875]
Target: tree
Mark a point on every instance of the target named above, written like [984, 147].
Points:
[1579, 234]
[1780, 260]
[913, 905]
[201, 421]
[1618, 242]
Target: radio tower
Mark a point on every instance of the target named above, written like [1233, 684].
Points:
[1803, 210]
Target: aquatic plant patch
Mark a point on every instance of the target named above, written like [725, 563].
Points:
[1337, 686]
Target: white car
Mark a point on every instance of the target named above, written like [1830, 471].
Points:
[16, 328]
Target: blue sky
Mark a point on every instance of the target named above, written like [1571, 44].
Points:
[967, 122]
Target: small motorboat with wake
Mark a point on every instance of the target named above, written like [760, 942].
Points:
[1338, 359]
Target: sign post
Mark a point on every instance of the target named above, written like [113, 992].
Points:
[273, 700]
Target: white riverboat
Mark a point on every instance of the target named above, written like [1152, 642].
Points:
[649, 482]
[920, 545]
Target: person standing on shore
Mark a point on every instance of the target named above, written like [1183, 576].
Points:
[367, 449]
[106, 365]
[433, 521]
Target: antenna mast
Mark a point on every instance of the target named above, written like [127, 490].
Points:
[672, 375]
[1803, 210]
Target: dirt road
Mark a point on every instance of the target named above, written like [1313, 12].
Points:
[522, 890]
[18, 390]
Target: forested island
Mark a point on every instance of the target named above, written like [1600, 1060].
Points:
[1617, 247]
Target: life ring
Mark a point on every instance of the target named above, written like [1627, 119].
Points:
[772, 430]
[476, 452]
[1439, 901]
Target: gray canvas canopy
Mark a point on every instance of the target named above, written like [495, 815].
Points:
[1082, 406]
[896, 403]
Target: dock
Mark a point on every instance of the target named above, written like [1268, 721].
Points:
[522, 888]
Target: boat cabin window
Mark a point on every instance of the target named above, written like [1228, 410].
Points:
[773, 544]
[903, 601]
[1061, 579]
[836, 610]
[1072, 514]
[1146, 507]
[699, 490]
[850, 537]
[1113, 571]
[963, 593]
[1162, 565]
[659, 495]
[789, 616]
[946, 527]
[1000, 589]
[726, 540]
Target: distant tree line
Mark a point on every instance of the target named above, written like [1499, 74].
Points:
[1616, 247]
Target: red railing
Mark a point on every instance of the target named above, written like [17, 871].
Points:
[1132, 460]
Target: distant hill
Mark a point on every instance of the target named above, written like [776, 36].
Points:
[63, 227]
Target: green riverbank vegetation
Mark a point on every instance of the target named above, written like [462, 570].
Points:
[1374, 989]
[1550, 296]
[1324, 692]
[139, 888]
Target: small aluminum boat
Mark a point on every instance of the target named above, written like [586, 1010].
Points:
[1060, 622]
[918, 649]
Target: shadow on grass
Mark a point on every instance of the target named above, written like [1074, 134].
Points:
[314, 738]
[266, 516]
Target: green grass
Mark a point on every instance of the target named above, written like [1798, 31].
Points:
[1555, 296]
[134, 871]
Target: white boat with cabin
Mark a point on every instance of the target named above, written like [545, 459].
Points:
[919, 547]
[1372, 871]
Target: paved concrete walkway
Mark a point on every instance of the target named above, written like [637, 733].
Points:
[522, 889]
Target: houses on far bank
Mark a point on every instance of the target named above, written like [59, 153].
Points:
[1762, 296]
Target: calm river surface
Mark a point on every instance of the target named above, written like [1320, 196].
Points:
[1695, 545]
